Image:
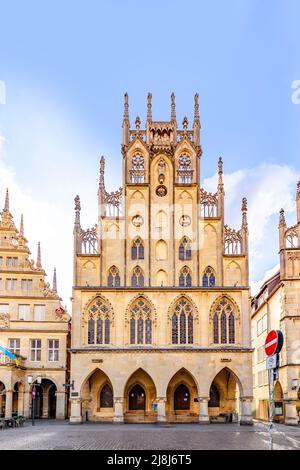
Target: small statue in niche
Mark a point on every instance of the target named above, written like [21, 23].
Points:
[161, 171]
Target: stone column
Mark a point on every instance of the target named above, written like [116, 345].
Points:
[21, 403]
[246, 411]
[118, 405]
[27, 404]
[45, 411]
[291, 417]
[8, 404]
[161, 409]
[76, 417]
[60, 405]
[203, 410]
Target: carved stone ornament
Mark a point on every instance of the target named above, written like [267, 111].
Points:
[4, 320]
[161, 191]
[137, 220]
[161, 171]
[185, 220]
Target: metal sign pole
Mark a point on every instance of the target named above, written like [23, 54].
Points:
[271, 396]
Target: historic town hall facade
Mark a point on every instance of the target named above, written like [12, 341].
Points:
[161, 301]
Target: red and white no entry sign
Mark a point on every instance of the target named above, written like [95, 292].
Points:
[274, 342]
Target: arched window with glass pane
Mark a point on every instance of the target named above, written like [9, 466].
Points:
[106, 397]
[99, 322]
[182, 322]
[140, 322]
[137, 172]
[209, 277]
[185, 250]
[113, 279]
[137, 249]
[137, 278]
[224, 322]
[185, 278]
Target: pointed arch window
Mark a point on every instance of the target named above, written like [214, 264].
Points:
[113, 279]
[184, 172]
[106, 397]
[137, 278]
[185, 278]
[182, 322]
[209, 278]
[224, 322]
[137, 172]
[185, 251]
[99, 322]
[137, 249]
[140, 322]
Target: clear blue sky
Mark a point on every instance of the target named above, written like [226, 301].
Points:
[66, 65]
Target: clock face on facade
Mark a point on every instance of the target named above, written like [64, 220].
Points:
[137, 220]
[185, 220]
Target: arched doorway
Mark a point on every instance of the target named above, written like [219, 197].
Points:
[279, 412]
[182, 398]
[18, 399]
[137, 398]
[2, 400]
[97, 397]
[45, 399]
[140, 398]
[224, 394]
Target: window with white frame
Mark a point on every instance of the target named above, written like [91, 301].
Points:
[262, 325]
[26, 284]
[4, 308]
[24, 312]
[35, 350]
[11, 262]
[11, 284]
[261, 354]
[53, 350]
[39, 312]
[14, 345]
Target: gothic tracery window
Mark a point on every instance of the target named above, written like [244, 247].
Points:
[184, 172]
[99, 322]
[185, 278]
[137, 278]
[182, 322]
[137, 249]
[185, 252]
[140, 322]
[113, 279]
[208, 278]
[137, 172]
[224, 322]
[106, 397]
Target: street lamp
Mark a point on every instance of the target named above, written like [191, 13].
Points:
[33, 393]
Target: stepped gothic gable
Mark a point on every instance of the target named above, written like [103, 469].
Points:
[161, 287]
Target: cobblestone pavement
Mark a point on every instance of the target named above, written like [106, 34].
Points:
[63, 436]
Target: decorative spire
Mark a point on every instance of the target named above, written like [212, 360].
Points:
[282, 222]
[54, 288]
[196, 107]
[149, 107]
[126, 108]
[6, 204]
[298, 190]
[101, 177]
[22, 226]
[173, 109]
[220, 172]
[244, 213]
[137, 123]
[39, 258]
[77, 210]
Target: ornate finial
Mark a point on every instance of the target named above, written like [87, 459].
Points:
[54, 288]
[173, 110]
[126, 107]
[244, 213]
[244, 205]
[149, 107]
[77, 210]
[6, 204]
[196, 112]
[22, 226]
[39, 258]
[298, 190]
[220, 172]
[137, 123]
[282, 221]
[101, 177]
[185, 123]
